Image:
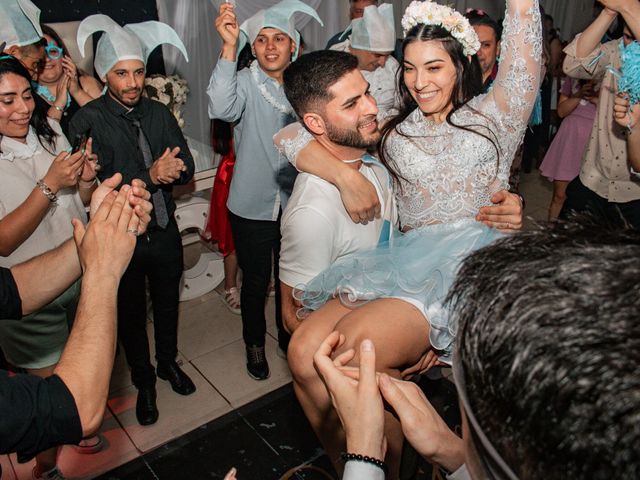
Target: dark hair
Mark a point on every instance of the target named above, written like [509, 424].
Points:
[47, 30]
[479, 17]
[46, 134]
[549, 344]
[468, 84]
[308, 79]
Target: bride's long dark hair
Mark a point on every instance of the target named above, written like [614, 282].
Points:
[468, 84]
[46, 135]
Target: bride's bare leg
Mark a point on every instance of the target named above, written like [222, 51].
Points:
[309, 389]
[400, 333]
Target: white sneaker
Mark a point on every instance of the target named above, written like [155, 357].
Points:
[231, 300]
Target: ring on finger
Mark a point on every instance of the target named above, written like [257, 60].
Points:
[133, 231]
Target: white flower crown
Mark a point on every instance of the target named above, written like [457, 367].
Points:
[430, 13]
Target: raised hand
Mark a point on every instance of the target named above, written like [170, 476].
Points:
[62, 92]
[71, 71]
[167, 168]
[227, 25]
[106, 245]
[138, 199]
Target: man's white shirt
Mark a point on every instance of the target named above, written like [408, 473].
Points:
[316, 229]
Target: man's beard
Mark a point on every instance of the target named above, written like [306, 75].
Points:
[119, 96]
[351, 138]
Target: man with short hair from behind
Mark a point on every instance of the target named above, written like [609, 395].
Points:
[548, 388]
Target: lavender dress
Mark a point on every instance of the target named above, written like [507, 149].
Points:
[564, 157]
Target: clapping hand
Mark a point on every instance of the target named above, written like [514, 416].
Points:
[168, 167]
[138, 200]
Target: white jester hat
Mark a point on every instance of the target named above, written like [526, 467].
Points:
[374, 31]
[19, 23]
[134, 41]
[279, 16]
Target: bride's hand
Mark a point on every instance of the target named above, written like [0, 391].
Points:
[358, 195]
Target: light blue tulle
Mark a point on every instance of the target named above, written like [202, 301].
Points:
[419, 265]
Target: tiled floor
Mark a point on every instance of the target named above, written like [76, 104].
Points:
[212, 353]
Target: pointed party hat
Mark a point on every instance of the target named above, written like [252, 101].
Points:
[20, 23]
[279, 16]
[135, 41]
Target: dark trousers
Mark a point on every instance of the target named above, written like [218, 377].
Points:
[258, 250]
[581, 199]
[158, 258]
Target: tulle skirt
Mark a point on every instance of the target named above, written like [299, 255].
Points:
[418, 266]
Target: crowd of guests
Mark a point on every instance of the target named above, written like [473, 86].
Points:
[372, 186]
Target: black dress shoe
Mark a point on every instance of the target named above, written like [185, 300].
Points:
[257, 366]
[179, 380]
[146, 409]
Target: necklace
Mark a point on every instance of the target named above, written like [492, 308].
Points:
[284, 109]
[46, 94]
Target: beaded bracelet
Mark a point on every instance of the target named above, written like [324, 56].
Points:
[364, 458]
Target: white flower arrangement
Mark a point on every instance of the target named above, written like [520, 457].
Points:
[170, 91]
[454, 22]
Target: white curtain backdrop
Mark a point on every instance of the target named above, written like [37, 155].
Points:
[194, 20]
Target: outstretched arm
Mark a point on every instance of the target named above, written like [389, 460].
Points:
[105, 249]
[518, 80]
[43, 278]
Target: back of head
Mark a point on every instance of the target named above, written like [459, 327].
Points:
[549, 343]
[480, 17]
[308, 79]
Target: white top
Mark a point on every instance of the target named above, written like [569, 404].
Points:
[382, 83]
[448, 173]
[355, 470]
[316, 229]
[21, 166]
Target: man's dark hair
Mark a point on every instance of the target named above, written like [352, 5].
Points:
[549, 343]
[308, 79]
[479, 17]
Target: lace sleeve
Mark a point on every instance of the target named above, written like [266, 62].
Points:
[519, 74]
[291, 140]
